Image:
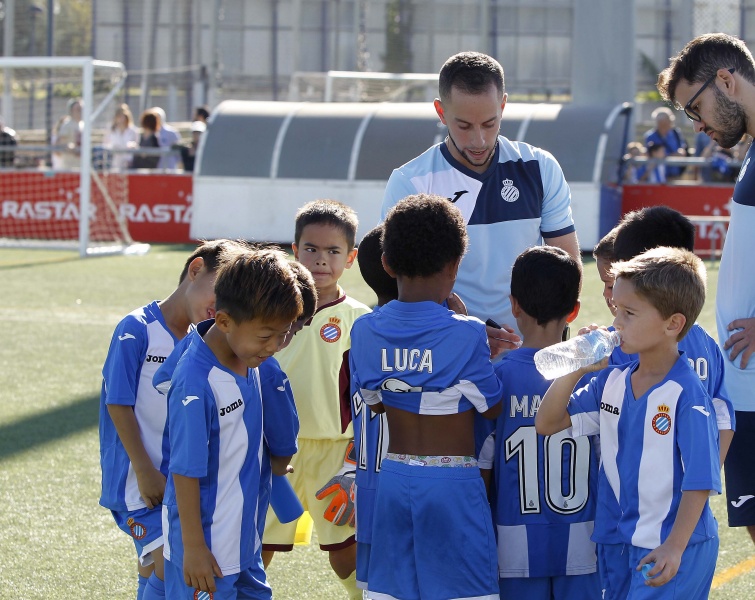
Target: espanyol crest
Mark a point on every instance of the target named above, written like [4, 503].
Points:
[509, 192]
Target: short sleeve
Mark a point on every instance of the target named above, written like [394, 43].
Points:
[189, 423]
[120, 373]
[399, 187]
[280, 421]
[556, 219]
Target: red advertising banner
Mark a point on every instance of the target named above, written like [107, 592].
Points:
[45, 205]
[706, 206]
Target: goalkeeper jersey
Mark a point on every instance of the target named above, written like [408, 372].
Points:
[313, 363]
[215, 425]
[545, 486]
[423, 358]
[653, 448]
[520, 199]
[141, 342]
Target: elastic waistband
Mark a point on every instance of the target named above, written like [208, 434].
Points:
[432, 461]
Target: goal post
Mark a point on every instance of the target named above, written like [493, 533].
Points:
[73, 204]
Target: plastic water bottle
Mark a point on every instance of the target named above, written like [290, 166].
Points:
[284, 500]
[582, 350]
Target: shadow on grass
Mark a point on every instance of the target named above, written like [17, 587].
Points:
[26, 263]
[51, 425]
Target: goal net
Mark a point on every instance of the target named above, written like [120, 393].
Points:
[359, 86]
[58, 186]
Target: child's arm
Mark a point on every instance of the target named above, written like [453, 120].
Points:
[280, 465]
[199, 563]
[150, 480]
[552, 415]
[668, 556]
[724, 441]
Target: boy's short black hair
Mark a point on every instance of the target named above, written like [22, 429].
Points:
[470, 72]
[371, 266]
[422, 234]
[651, 227]
[604, 248]
[257, 284]
[203, 111]
[307, 288]
[328, 212]
[211, 252]
[545, 282]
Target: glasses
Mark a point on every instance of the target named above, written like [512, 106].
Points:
[691, 114]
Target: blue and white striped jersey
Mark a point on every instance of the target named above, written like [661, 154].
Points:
[735, 294]
[652, 448]
[544, 486]
[215, 426]
[423, 358]
[519, 200]
[141, 342]
[705, 358]
[281, 426]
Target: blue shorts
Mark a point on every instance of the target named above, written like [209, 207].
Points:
[739, 468]
[250, 583]
[145, 526]
[563, 587]
[614, 570]
[692, 581]
[433, 535]
[363, 564]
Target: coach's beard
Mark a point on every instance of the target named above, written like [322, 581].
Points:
[466, 156]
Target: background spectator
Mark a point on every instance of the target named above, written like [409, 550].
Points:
[668, 136]
[653, 171]
[69, 135]
[189, 151]
[122, 134]
[150, 123]
[202, 113]
[7, 138]
[168, 136]
[634, 150]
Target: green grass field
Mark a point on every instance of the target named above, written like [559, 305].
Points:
[57, 317]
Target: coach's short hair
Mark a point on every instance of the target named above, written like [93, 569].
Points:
[370, 263]
[257, 284]
[671, 279]
[328, 212]
[471, 73]
[422, 234]
[652, 227]
[545, 282]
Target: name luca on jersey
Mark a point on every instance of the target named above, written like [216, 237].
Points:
[406, 359]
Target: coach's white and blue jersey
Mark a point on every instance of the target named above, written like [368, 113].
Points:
[215, 423]
[519, 200]
[545, 486]
[652, 448]
[705, 358]
[735, 295]
[141, 342]
[423, 358]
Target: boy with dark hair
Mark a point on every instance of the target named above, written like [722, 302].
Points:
[637, 232]
[544, 547]
[370, 429]
[427, 368]
[215, 426]
[324, 466]
[133, 414]
[603, 254]
[657, 426]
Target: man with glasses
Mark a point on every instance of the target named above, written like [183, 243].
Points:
[713, 80]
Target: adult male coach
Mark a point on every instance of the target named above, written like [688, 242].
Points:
[512, 195]
[713, 80]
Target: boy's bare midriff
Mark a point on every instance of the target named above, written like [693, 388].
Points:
[430, 435]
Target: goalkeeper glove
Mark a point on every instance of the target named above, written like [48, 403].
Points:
[340, 511]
